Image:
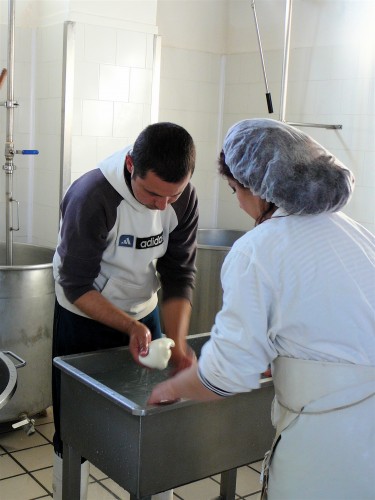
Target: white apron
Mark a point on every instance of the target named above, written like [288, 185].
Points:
[324, 448]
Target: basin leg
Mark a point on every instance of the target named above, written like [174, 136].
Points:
[228, 484]
[134, 497]
[71, 486]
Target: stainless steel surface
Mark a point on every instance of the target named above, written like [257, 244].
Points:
[213, 247]
[105, 418]
[26, 310]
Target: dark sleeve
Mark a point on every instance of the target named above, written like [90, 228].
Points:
[88, 212]
[177, 267]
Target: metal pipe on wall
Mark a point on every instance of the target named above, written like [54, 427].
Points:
[9, 166]
[9, 146]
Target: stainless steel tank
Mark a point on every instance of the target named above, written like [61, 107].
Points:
[26, 311]
[213, 247]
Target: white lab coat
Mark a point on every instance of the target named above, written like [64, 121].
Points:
[300, 287]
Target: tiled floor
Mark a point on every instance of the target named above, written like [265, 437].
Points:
[26, 470]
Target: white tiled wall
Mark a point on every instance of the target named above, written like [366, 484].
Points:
[112, 91]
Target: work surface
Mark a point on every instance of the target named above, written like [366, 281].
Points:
[148, 449]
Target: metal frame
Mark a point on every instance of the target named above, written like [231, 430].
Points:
[67, 106]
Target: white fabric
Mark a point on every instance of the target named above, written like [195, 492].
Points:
[297, 286]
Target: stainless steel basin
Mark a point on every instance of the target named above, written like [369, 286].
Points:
[148, 449]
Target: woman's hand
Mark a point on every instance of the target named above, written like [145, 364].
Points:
[163, 393]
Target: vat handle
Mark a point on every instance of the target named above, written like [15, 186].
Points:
[22, 362]
[18, 215]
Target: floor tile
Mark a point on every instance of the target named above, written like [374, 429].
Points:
[47, 430]
[116, 489]
[254, 496]
[96, 473]
[8, 467]
[97, 492]
[44, 418]
[257, 465]
[44, 476]
[21, 488]
[35, 458]
[247, 481]
[19, 440]
[200, 490]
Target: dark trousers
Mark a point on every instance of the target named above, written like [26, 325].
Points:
[74, 334]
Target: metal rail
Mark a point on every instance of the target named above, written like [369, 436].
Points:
[285, 70]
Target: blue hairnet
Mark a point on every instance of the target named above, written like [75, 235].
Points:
[287, 167]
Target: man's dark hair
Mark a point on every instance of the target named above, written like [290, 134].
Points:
[166, 149]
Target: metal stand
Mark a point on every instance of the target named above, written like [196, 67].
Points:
[71, 486]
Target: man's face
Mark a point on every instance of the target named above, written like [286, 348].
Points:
[152, 191]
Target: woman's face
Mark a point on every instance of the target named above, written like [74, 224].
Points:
[248, 202]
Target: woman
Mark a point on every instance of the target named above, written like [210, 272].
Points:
[299, 294]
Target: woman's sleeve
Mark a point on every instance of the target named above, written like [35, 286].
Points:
[240, 349]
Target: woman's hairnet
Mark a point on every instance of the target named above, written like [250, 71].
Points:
[287, 167]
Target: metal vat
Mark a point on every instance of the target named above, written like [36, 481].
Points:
[213, 247]
[26, 309]
[148, 449]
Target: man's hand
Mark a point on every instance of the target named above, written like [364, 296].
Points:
[139, 339]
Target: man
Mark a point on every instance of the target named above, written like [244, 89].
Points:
[127, 226]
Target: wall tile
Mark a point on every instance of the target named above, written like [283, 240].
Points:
[84, 154]
[114, 83]
[140, 85]
[100, 44]
[128, 119]
[86, 80]
[97, 118]
[106, 146]
[131, 49]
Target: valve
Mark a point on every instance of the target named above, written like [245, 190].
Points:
[27, 423]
